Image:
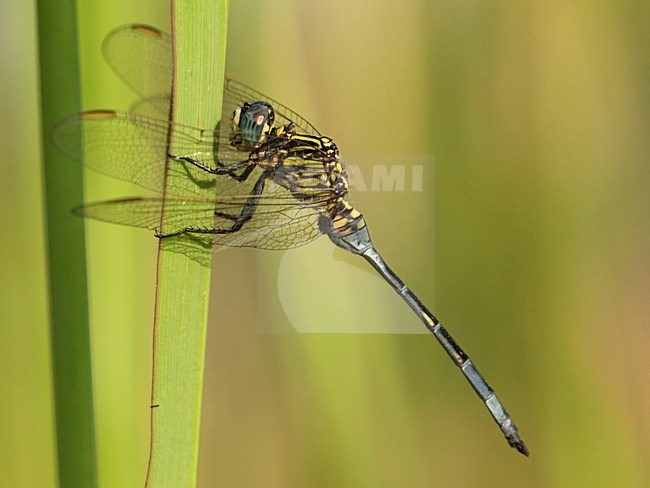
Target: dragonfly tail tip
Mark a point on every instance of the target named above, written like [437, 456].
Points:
[520, 446]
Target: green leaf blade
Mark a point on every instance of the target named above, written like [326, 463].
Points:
[68, 308]
[199, 33]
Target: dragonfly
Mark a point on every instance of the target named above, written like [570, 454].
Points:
[264, 177]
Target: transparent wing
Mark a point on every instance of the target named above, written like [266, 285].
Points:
[279, 222]
[235, 93]
[133, 148]
[142, 55]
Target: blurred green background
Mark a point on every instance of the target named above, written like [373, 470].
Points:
[529, 240]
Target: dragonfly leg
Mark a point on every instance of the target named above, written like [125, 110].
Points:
[225, 215]
[239, 177]
[228, 169]
[246, 214]
[244, 174]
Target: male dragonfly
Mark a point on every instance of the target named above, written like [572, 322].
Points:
[278, 182]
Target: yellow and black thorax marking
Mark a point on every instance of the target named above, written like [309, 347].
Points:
[309, 167]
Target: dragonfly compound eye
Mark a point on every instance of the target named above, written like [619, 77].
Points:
[252, 122]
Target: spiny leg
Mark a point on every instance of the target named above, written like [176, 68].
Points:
[228, 169]
[246, 214]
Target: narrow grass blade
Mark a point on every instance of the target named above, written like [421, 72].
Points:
[63, 186]
[199, 33]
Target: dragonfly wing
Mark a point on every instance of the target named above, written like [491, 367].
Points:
[151, 107]
[133, 147]
[135, 212]
[180, 213]
[279, 220]
[291, 227]
[142, 57]
[235, 93]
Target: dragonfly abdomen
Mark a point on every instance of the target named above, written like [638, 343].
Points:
[340, 219]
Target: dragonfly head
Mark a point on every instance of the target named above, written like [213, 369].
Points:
[251, 123]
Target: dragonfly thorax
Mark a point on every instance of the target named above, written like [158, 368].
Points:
[307, 161]
[337, 178]
[307, 165]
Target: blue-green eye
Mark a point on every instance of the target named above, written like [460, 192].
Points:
[253, 121]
